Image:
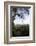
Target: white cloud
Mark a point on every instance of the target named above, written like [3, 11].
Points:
[26, 20]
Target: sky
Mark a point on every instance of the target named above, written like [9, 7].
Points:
[21, 21]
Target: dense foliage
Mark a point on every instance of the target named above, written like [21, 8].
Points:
[20, 30]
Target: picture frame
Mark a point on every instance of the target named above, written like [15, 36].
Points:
[27, 10]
